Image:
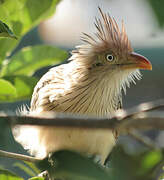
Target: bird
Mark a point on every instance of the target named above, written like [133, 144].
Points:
[90, 84]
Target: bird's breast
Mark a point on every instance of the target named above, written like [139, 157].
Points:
[93, 97]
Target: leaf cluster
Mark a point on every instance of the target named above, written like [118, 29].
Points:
[17, 18]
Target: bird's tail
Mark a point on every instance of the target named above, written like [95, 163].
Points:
[23, 110]
[28, 136]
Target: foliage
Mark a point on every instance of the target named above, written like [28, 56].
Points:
[137, 166]
[30, 59]
[16, 81]
[16, 71]
[71, 165]
[6, 175]
[157, 7]
[5, 31]
[21, 16]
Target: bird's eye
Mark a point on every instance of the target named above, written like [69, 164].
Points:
[109, 57]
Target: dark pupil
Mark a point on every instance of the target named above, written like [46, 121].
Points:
[110, 57]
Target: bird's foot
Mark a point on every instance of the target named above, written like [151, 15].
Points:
[95, 158]
[45, 175]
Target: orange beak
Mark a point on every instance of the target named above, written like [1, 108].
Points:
[140, 62]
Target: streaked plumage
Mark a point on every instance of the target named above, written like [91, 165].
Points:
[90, 84]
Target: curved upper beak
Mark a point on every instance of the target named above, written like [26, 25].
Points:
[140, 62]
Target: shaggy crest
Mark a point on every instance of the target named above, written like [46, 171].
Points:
[108, 36]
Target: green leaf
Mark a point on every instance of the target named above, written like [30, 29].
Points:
[23, 85]
[5, 31]
[29, 59]
[72, 166]
[7, 175]
[26, 169]
[21, 16]
[150, 160]
[161, 177]
[157, 7]
[7, 90]
[135, 166]
[33, 167]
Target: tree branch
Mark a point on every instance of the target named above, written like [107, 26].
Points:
[19, 156]
[139, 117]
[144, 116]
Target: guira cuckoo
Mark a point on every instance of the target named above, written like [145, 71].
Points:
[91, 84]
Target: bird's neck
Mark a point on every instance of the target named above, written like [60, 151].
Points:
[103, 97]
[96, 94]
[92, 92]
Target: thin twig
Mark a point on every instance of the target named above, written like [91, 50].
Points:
[143, 107]
[143, 139]
[142, 121]
[19, 156]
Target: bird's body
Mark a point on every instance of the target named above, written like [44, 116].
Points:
[90, 84]
[79, 95]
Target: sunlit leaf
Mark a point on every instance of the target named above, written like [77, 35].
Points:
[7, 175]
[151, 159]
[29, 59]
[21, 16]
[23, 85]
[5, 31]
[7, 90]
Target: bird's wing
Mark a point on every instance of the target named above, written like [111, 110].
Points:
[47, 87]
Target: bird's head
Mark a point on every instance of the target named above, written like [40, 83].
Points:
[110, 50]
[109, 59]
